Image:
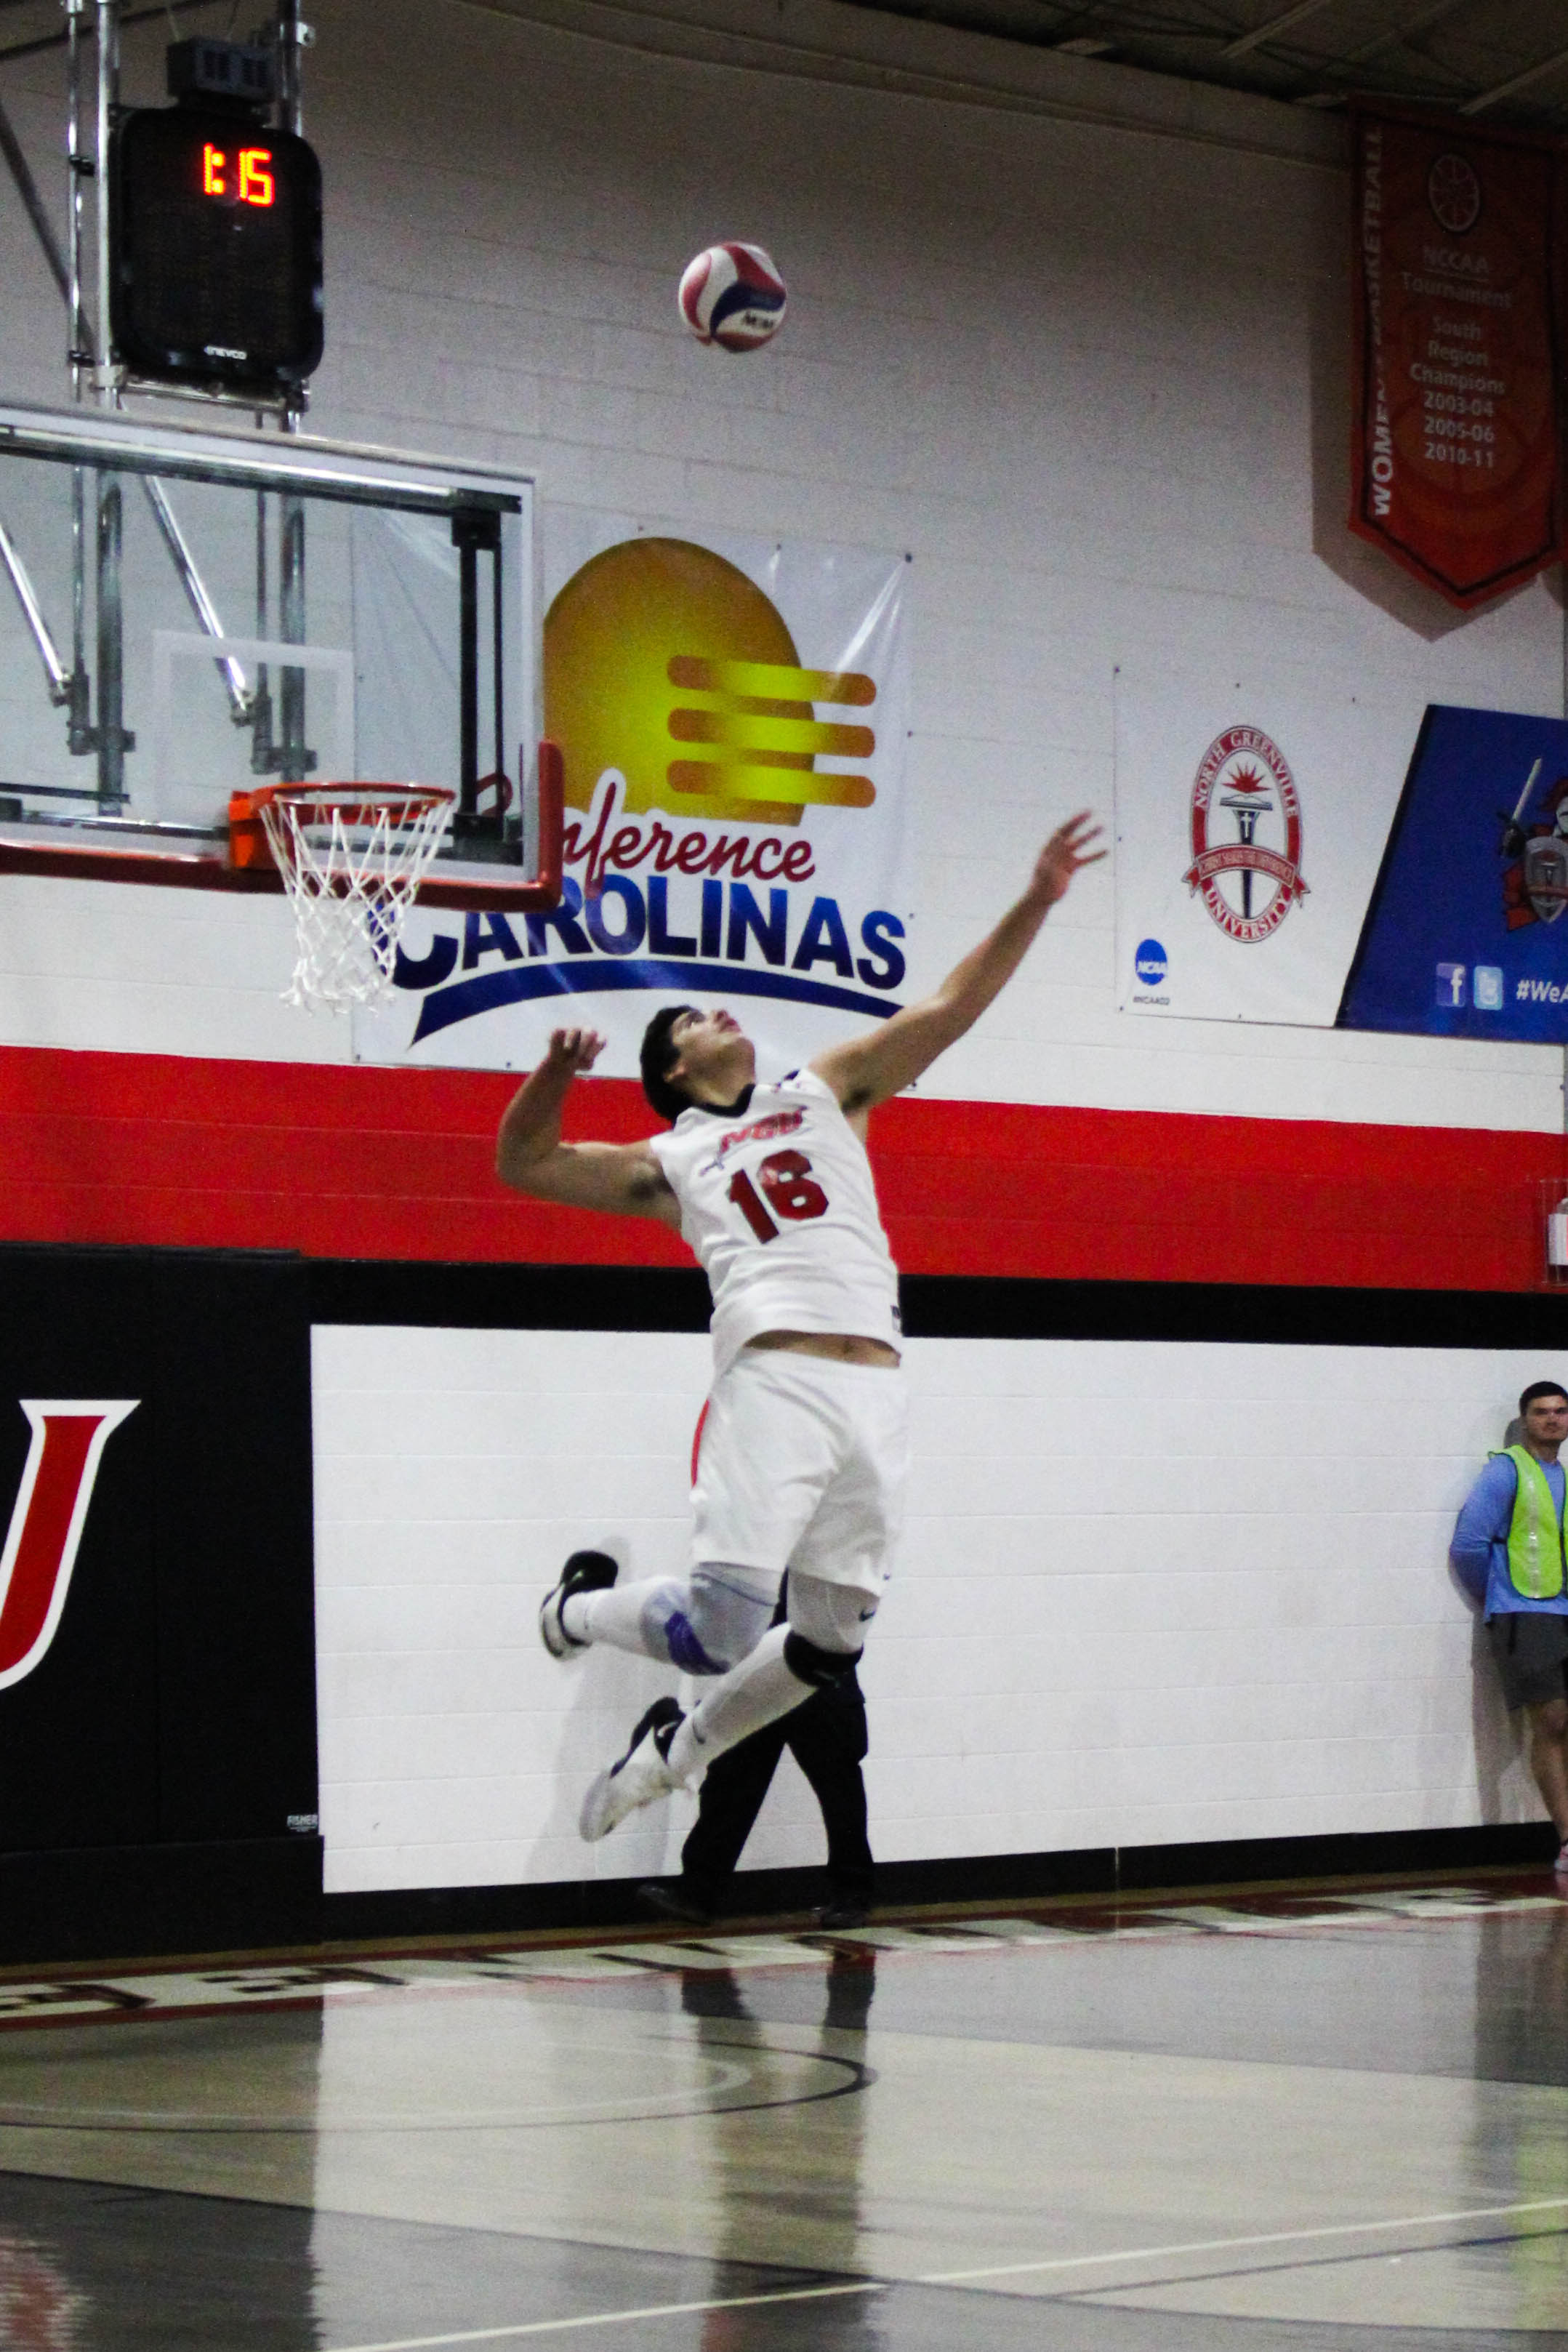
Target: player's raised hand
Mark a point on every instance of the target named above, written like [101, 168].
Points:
[573, 1051]
[1064, 855]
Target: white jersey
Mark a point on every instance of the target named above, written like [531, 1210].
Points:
[778, 1203]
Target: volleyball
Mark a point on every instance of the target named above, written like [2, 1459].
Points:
[733, 295]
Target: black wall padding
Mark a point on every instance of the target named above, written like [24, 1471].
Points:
[946, 1307]
[176, 1703]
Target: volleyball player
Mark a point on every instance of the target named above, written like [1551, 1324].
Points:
[803, 1450]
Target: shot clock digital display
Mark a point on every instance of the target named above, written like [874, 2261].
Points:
[245, 177]
[216, 238]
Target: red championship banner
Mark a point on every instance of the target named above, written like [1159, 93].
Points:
[1454, 448]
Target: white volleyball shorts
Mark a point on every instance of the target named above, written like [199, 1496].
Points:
[801, 1463]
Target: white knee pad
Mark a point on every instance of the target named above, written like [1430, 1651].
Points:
[709, 1626]
[829, 1616]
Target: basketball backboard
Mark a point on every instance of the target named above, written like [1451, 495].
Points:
[188, 615]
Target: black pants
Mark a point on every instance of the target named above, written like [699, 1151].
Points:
[827, 1736]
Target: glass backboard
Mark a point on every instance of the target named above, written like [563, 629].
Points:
[188, 615]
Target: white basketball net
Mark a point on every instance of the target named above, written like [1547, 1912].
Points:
[351, 857]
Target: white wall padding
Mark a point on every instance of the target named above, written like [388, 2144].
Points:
[1149, 1593]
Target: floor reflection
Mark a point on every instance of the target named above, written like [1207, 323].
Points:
[1522, 2012]
[86, 2267]
[1322, 2140]
[814, 2174]
[38, 2306]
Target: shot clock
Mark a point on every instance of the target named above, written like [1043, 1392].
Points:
[215, 237]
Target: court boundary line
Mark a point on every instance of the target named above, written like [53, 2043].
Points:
[620, 2319]
[1263, 2237]
[959, 2278]
[1221, 2272]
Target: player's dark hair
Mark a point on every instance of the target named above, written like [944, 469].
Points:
[658, 1052]
[1542, 1388]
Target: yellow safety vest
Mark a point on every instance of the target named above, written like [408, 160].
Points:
[1536, 1557]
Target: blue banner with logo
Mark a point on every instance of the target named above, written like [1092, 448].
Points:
[1463, 935]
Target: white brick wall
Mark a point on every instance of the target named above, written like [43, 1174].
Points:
[1074, 336]
[1148, 1593]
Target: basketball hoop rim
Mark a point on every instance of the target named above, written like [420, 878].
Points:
[352, 802]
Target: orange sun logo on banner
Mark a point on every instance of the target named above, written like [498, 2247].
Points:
[670, 666]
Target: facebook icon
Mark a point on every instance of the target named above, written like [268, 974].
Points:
[1451, 993]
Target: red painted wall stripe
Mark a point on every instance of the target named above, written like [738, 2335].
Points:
[126, 1148]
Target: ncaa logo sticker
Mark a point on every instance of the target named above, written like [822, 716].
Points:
[1150, 965]
[1246, 835]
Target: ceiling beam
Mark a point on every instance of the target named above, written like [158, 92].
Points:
[1261, 33]
[1520, 81]
[1401, 33]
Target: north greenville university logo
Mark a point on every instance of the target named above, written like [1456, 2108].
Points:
[47, 1523]
[1243, 781]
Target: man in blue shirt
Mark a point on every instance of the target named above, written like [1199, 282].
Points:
[1510, 1553]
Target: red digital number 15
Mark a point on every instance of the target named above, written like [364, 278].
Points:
[255, 175]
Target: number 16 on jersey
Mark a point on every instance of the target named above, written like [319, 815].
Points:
[789, 1191]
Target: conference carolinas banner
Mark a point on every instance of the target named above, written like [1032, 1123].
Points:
[1454, 420]
[734, 715]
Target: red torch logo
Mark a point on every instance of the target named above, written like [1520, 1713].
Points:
[1245, 774]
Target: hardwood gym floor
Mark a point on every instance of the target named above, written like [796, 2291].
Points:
[1301, 2122]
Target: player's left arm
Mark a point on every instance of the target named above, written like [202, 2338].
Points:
[882, 1062]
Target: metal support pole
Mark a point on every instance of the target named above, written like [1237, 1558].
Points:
[498, 660]
[80, 730]
[296, 759]
[468, 681]
[113, 743]
[111, 740]
[293, 757]
[27, 189]
[476, 530]
[79, 169]
[108, 114]
[33, 614]
[263, 750]
[289, 34]
[196, 596]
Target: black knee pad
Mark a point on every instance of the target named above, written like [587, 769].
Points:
[821, 1669]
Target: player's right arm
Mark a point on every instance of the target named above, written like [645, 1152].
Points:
[530, 1157]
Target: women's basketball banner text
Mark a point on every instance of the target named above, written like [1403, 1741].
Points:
[1454, 464]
